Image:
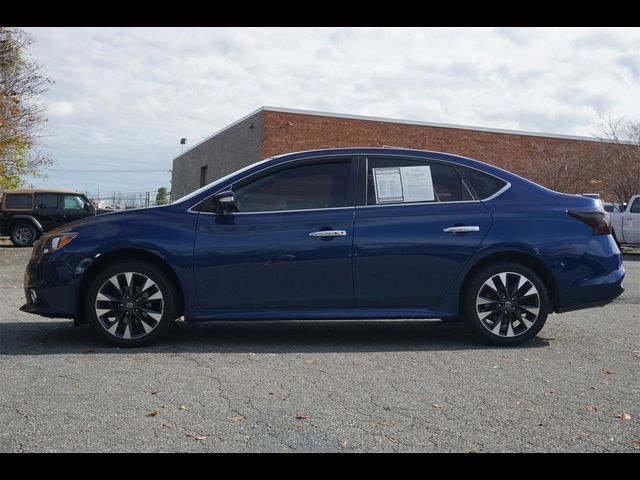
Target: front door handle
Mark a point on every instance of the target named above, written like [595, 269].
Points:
[328, 233]
[462, 229]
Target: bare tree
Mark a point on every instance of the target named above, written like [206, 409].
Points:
[21, 117]
[565, 168]
[620, 151]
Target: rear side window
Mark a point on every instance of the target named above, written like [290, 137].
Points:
[400, 180]
[484, 184]
[47, 201]
[18, 202]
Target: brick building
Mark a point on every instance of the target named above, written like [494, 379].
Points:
[273, 131]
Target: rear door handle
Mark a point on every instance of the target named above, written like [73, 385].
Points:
[462, 229]
[329, 233]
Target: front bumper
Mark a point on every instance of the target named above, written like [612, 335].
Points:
[55, 279]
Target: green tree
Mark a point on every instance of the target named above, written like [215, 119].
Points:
[162, 197]
[21, 118]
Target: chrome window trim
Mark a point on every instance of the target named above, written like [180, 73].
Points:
[278, 211]
[354, 156]
[415, 203]
[499, 192]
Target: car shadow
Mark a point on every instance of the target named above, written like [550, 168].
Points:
[335, 336]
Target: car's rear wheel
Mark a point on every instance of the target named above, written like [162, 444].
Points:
[506, 304]
[131, 303]
[23, 235]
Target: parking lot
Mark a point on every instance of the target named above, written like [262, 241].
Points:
[320, 386]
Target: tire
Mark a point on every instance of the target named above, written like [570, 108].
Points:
[134, 309]
[23, 234]
[520, 311]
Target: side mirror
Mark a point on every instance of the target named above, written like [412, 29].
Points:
[224, 202]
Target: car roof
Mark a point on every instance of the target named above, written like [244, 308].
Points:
[39, 190]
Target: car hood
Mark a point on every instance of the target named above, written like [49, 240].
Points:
[105, 218]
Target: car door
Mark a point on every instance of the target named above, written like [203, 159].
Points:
[74, 207]
[414, 232]
[631, 219]
[46, 210]
[288, 245]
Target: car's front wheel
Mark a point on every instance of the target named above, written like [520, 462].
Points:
[506, 304]
[131, 303]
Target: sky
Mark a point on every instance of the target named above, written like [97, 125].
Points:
[123, 97]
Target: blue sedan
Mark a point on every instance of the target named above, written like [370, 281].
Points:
[335, 234]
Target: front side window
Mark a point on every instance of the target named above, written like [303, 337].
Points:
[315, 185]
[47, 201]
[635, 207]
[18, 202]
[391, 180]
[73, 202]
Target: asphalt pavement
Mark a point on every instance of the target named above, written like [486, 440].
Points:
[333, 386]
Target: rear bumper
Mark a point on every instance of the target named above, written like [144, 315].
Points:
[599, 279]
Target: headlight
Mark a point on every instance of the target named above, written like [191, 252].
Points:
[56, 242]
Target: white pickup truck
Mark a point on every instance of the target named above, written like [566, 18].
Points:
[626, 225]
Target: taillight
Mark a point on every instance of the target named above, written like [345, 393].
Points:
[596, 219]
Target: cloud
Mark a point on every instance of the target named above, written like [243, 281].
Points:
[124, 97]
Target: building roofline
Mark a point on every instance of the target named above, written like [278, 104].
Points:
[349, 116]
[424, 124]
[218, 132]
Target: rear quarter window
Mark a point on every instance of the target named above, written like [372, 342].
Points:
[484, 184]
[18, 202]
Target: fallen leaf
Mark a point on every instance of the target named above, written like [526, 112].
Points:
[611, 440]
[483, 407]
[307, 361]
[608, 371]
[384, 424]
[301, 417]
[623, 416]
[392, 439]
[151, 414]
[529, 409]
[196, 436]
[167, 425]
[594, 388]
[438, 405]
[155, 392]
[583, 434]
[182, 407]
[592, 408]
[271, 393]
[635, 441]
[286, 397]
[386, 407]
[343, 443]
[298, 426]
[238, 418]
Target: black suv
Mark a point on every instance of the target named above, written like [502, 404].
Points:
[27, 214]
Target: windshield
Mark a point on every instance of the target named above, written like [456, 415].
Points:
[216, 182]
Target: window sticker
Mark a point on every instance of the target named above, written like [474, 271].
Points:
[388, 185]
[403, 184]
